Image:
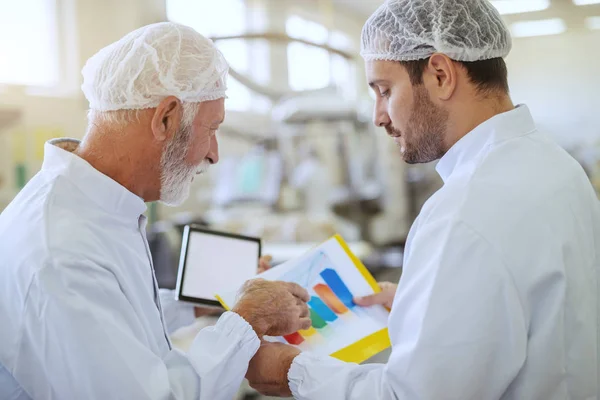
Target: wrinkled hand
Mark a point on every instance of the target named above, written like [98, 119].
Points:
[384, 298]
[268, 369]
[273, 308]
[264, 264]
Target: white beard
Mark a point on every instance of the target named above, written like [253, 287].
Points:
[176, 177]
[177, 181]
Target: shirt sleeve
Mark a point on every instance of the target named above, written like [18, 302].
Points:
[457, 328]
[83, 339]
[177, 314]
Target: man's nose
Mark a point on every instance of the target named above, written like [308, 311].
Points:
[380, 115]
[213, 152]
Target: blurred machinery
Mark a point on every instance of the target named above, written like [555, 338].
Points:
[319, 158]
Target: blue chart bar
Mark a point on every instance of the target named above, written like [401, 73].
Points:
[333, 280]
[321, 308]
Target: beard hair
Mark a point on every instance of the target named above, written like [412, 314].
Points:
[176, 176]
[426, 128]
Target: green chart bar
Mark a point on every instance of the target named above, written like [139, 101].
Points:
[317, 321]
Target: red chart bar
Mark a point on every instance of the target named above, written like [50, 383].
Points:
[329, 298]
[294, 338]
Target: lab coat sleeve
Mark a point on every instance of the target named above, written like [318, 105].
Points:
[457, 328]
[82, 325]
[177, 314]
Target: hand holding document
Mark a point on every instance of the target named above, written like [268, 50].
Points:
[333, 277]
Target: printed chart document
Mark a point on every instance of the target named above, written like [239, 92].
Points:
[333, 276]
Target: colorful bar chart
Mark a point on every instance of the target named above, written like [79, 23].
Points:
[329, 298]
[332, 298]
[321, 308]
[333, 280]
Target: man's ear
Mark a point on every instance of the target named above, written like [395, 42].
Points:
[441, 76]
[167, 118]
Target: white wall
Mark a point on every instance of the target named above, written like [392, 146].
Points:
[557, 77]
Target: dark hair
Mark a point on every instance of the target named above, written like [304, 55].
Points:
[488, 75]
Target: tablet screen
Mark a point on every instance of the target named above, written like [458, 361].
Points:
[213, 261]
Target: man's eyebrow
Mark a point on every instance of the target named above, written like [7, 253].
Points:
[376, 82]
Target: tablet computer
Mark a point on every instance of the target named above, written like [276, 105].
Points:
[212, 261]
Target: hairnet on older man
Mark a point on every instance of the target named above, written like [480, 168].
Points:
[152, 62]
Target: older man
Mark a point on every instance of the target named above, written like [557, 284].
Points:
[80, 314]
[499, 293]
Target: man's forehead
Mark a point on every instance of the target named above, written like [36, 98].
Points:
[382, 70]
[212, 111]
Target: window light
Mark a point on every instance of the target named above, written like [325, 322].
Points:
[585, 2]
[32, 60]
[542, 27]
[592, 23]
[521, 6]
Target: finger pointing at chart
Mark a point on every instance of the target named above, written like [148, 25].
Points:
[299, 291]
[384, 298]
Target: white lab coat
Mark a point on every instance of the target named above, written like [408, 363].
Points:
[79, 311]
[499, 296]
[176, 314]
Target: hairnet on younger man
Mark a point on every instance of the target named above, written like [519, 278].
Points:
[408, 30]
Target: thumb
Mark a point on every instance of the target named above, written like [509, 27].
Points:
[264, 263]
[374, 299]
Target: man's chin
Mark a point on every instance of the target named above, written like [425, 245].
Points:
[197, 174]
[176, 201]
[172, 203]
[413, 159]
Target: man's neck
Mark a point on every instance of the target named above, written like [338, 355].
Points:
[119, 161]
[471, 115]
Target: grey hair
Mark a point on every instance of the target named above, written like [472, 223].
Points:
[121, 118]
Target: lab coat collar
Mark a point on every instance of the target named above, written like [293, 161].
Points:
[107, 193]
[511, 124]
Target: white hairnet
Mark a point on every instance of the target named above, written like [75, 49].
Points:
[151, 63]
[408, 30]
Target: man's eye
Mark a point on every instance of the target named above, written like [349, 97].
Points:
[385, 94]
